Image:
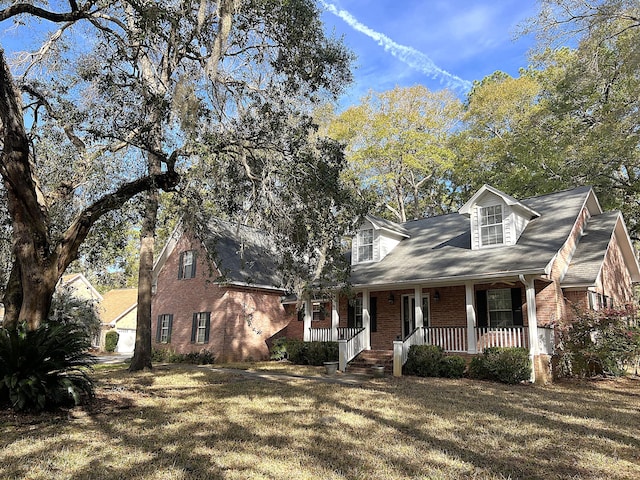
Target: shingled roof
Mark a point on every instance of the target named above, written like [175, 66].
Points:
[439, 248]
[242, 254]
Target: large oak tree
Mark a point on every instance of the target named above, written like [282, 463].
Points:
[173, 85]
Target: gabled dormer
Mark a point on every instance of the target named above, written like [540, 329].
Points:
[496, 219]
[374, 239]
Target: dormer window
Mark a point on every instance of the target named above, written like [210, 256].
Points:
[365, 245]
[491, 230]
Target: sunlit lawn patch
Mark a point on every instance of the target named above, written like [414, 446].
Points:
[186, 422]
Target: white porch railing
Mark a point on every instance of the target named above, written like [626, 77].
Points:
[451, 339]
[325, 334]
[350, 347]
[501, 337]
[320, 335]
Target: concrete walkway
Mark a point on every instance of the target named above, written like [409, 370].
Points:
[339, 378]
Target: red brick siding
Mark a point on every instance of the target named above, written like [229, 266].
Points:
[242, 319]
[615, 279]
[561, 263]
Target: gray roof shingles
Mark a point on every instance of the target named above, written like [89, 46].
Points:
[587, 260]
[242, 254]
[440, 247]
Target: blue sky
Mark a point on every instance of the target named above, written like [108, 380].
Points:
[436, 43]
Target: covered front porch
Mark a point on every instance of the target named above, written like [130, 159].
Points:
[462, 319]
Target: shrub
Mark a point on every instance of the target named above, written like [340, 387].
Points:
[452, 366]
[424, 360]
[279, 349]
[46, 367]
[507, 365]
[304, 353]
[597, 343]
[159, 355]
[111, 341]
[319, 352]
[203, 357]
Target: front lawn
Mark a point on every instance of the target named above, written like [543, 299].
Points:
[184, 422]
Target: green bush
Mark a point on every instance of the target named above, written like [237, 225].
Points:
[304, 353]
[430, 361]
[46, 367]
[597, 343]
[203, 357]
[279, 349]
[507, 365]
[111, 341]
[424, 360]
[452, 366]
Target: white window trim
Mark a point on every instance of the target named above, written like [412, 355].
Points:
[164, 328]
[361, 245]
[481, 226]
[201, 328]
[490, 310]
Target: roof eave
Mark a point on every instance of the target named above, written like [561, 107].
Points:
[454, 280]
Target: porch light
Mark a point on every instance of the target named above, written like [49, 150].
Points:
[436, 296]
[391, 298]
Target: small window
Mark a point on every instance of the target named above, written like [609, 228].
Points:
[365, 245]
[200, 327]
[187, 265]
[163, 332]
[491, 232]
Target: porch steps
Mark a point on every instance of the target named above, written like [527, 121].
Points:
[368, 358]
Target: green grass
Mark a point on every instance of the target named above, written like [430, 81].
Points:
[187, 422]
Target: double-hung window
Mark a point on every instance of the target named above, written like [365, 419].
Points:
[200, 327]
[187, 267]
[491, 231]
[365, 245]
[500, 307]
[163, 332]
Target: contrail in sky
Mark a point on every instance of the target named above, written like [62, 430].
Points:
[409, 55]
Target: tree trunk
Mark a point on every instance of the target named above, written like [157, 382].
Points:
[142, 352]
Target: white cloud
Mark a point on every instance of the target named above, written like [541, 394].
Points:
[408, 55]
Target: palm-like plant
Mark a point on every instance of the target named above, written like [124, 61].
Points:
[46, 367]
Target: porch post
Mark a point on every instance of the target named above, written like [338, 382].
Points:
[471, 318]
[419, 315]
[397, 358]
[307, 320]
[532, 321]
[366, 319]
[335, 318]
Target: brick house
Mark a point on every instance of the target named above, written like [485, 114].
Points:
[500, 272]
[220, 293]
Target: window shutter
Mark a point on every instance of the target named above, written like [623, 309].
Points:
[351, 315]
[180, 267]
[169, 329]
[194, 328]
[207, 328]
[301, 314]
[159, 329]
[481, 308]
[373, 314]
[516, 305]
[322, 314]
